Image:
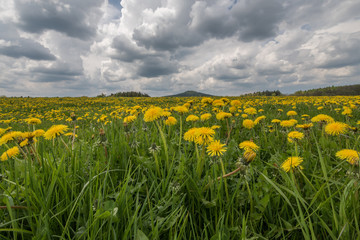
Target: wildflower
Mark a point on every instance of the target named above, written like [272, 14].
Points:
[235, 103]
[192, 118]
[129, 119]
[291, 163]
[207, 100]
[4, 130]
[347, 111]
[305, 126]
[9, 137]
[215, 127]
[181, 109]
[204, 135]
[248, 123]
[205, 116]
[248, 145]
[275, 121]
[215, 148]
[250, 111]
[70, 134]
[232, 109]
[249, 155]
[258, 119]
[152, 114]
[271, 128]
[32, 121]
[170, 121]
[336, 128]
[280, 110]
[223, 115]
[295, 136]
[39, 133]
[291, 113]
[287, 123]
[244, 115]
[166, 114]
[349, 155]
[190, 135]
[12, 152]
[322, 118]
[218, 103]
[54, 131]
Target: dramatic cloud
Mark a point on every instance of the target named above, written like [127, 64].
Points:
[161, 47]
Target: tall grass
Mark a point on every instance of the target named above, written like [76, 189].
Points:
[111, 186]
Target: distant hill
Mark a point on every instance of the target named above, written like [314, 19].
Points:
[190, 94]
[348, 90]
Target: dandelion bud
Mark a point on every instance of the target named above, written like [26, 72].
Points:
[249, 156]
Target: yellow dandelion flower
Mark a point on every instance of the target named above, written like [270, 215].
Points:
[39, 133]
[347, 111]
[244, 115]
[291, 163]
[336, 128]
[32, 121]
[12, 152]
[4, 130]
[322, 118]
[153, 114]
[181, 109]
[204, 135]
[349, 155]
[170, 121]
[215, 148]
[275, 121]
[190, 135]
[205, 116]
[295, 136]
[258, 119]
[54, 131]
[248, 123]
[291, 113]
[223, 115]
[248, 145]
[215, 127]
[129, 119]
[305, 126]
[207, 100]
[9, 137]
[250, 111]
[287, 123]
[235, 103]
[232, 109]
[192, 118]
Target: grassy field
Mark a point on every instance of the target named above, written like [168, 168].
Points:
[180, 168]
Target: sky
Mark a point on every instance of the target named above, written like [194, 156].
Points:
[222, 47]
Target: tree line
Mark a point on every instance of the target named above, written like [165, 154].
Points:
[125, 94]
[349, 90]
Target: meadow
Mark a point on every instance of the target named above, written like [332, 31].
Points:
[180, 168]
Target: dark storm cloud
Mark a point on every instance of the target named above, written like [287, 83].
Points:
[56, 73]
[342, 53]
[250, 20]
[155, 66]
[69, 17]
[12, 45]
[126, 51]
[26, 48]
[258, 19]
